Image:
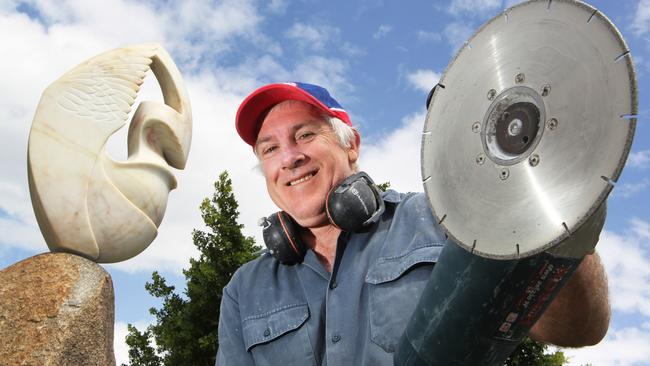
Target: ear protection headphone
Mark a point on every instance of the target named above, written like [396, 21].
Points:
[352, 205]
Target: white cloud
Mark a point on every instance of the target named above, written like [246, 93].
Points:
[473, 6]
[326, 71]
[49, 11]
[201, 31]
[457, 33]
[194, 29]
[111, 23]
[214, 20]
[22, 235]
[277, 6]
[423, 80]
[641, 228]
[639, 159]
[245, 76]
[396, 156]
[630, 189]
[428, 36]
[19, 228]
[8, 5]
[626, 258]
[119, 343]
[382, 31]
[641, 20]
[621, 347]
[311, 36]
[351, 50]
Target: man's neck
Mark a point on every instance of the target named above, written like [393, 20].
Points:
[322, 240]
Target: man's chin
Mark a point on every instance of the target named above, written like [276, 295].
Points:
[311, 221]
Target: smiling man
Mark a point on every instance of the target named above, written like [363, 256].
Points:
[348, 300]
[299, 162]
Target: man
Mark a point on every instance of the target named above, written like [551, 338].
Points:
[348, 301]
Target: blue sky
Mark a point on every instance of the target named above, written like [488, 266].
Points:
[379, 58]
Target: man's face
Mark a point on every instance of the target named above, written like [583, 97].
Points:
[302, 160]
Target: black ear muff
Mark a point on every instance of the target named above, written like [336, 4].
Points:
[282, 238]
[355, 203]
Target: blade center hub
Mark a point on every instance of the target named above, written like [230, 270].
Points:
[512, 125]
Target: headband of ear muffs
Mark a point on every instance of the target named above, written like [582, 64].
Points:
[352, 205]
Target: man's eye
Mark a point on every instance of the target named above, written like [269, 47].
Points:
[268, 150]
[305, 135]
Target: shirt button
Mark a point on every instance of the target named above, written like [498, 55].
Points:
[333, 285]
[336, 338]
[267, 332]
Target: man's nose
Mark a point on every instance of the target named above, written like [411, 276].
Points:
[292, 157]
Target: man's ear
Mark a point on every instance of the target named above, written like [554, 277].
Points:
[353, 151]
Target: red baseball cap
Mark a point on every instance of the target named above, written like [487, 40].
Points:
[259, 101]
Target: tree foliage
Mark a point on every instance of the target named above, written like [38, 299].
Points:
[532, 353]
[185, 329]
[383, 186]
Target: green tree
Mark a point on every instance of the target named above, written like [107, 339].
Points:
[383, 186]
[140, 352]
[185, 330]
[532, 353]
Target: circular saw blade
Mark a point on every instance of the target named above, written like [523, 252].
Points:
[506, 185]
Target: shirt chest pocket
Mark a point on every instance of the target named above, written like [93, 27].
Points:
[279, 337]
[395, 285]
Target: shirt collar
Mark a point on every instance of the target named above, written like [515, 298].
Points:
[391, 196]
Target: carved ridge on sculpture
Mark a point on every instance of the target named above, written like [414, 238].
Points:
[85, 202]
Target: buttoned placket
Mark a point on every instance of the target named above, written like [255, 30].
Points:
[332, 335]
[337, 300]
[334, 302]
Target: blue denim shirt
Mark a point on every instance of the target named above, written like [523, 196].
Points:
[274, 314]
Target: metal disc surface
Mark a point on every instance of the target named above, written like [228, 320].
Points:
[529, 129]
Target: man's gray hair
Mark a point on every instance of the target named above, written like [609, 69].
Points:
[344, 132]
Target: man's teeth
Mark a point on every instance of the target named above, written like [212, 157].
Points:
[305, 178]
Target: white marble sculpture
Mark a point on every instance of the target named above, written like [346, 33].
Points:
[85, 202]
